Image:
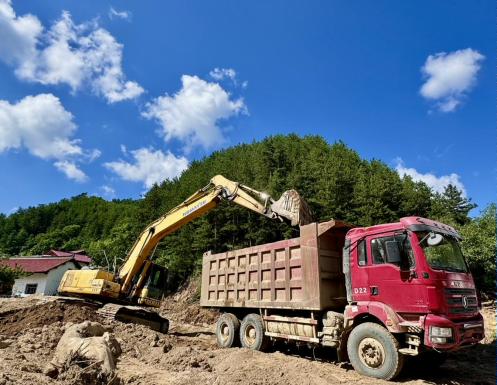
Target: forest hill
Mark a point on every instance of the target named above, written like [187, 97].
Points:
[334, 179]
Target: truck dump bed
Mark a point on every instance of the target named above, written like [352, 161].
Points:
[299, 273]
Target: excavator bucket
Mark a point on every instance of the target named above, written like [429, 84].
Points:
[292, 207]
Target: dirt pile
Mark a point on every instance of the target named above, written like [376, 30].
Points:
[9, 304]
[188, 355]
[23, 357]
[184, 306]
[17, 321]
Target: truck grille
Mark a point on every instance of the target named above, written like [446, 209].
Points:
[461, 301]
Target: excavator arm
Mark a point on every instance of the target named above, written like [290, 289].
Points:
[139, 281]
[290, 206]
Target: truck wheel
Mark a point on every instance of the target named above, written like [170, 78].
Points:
[252, 333]
[227, 328]
[373, 351]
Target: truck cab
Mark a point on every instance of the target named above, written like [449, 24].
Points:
[412, 277]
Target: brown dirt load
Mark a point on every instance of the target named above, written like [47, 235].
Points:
[188, 354]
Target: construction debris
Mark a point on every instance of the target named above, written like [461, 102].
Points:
[89, 346]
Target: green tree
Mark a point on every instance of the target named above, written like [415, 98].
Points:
[111, 251]
[451, 206]
[479, 247]
[8, 275]
[333, 178]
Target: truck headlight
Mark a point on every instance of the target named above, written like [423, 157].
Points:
[436, 331]
[439, 340]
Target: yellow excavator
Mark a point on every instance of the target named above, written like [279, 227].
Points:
[140, 283]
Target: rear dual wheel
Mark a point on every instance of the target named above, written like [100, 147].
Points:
[250, 334]
[227, 329]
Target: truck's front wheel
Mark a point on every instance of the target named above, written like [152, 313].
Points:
[373, 351]
[227, 329]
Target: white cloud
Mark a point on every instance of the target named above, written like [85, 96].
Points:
[125, 15]
[19, 34]
[42, 126]
[149, 166]
[77, 55]
[436, 183]
[223, 73]
[193, 114]
[71, 170]
[220, 74]
[449, 76]
[108, 191]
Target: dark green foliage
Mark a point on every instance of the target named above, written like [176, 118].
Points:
[451, 206]
[69, 224]
[479, 248]
[8, 275]
[334, 179]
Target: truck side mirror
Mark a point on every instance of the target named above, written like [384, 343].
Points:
[393, 252]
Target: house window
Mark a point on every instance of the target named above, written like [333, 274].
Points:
[30, 288]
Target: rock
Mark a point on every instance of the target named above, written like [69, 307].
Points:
[51, 371]
[5, 343]
[167, 347]
[154, 340]
[85, 341]
[27, 349]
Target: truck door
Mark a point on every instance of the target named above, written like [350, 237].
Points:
[401, 289]
[359, 268]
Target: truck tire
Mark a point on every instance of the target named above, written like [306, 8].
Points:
[252, 333]
[373, 351]
[227, 328]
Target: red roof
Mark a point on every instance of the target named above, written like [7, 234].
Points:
[82, 258]
[35, 264]
[78, 255]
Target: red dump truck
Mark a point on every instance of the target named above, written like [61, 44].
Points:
[376, 294]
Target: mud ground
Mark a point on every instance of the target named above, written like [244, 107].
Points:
[188, 355]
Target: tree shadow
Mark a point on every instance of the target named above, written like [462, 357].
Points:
[473, 365]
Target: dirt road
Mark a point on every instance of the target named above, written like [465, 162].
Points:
[188, 354]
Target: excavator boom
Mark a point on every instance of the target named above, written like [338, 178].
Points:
[290, 207]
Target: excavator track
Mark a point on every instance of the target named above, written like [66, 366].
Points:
[134, 314]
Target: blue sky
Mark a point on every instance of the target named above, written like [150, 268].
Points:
[109, 97]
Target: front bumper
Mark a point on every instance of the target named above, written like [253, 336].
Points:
[464, 333]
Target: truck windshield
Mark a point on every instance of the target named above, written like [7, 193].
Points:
[446, 255]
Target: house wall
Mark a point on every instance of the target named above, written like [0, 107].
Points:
[54, 277]
[20, 283]
[47, 283]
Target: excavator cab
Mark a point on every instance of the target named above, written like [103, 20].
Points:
[155, 286]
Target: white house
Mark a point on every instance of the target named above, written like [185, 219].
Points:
[45, 272]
